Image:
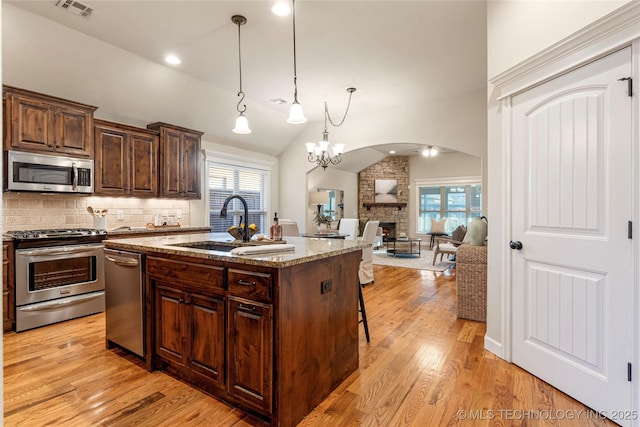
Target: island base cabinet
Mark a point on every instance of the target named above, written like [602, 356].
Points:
[190, 336]
[250, 333]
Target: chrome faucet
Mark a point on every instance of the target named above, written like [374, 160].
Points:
[246, 235]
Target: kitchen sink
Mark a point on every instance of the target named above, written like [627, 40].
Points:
[211, 246]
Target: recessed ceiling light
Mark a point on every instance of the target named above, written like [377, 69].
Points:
[281, 9]
[278, 101]
[392, 151]
[172, 59]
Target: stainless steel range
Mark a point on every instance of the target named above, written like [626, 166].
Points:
[59, 275]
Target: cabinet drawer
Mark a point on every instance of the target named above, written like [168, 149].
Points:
[201, 275]
[250, 284]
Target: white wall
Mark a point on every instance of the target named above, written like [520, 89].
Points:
[458, 123]
[516, 31]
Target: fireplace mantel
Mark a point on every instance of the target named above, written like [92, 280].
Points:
[384, 205]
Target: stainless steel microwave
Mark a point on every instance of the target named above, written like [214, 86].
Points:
[48, 174]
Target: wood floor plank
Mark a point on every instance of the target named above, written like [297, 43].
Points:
[423, 367]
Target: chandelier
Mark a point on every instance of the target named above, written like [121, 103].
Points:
[321, 153]
[242, 125]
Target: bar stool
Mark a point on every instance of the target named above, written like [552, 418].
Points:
[365, 273]
[363, 312]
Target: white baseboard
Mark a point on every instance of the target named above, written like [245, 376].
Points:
[494, 347]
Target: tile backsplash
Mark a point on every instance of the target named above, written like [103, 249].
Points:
[25, 211]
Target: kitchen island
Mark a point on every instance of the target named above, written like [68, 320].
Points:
[270, 333]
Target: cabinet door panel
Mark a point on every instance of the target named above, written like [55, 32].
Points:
[208, 332]
[144, 175]
[73, 133]
[250, 353]
[111, 162]
[170, 325]
[32, 125]
[171, 163]
[191, 166]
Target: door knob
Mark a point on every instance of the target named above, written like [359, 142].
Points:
[517, 245]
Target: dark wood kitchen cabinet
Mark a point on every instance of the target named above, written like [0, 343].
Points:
[8, 287]
[46, 124]
[250, 353]
[191, 334]
[189, 319]
[179, 161]
[289, 340]
[213, 337]
[126, 160]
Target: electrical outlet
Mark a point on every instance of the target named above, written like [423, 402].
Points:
[325, 286]
[179, 214]
[120, 215]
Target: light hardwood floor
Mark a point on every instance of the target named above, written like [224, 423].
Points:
[423, 367]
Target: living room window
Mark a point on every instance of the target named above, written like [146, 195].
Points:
[457, 203]
[252, 183]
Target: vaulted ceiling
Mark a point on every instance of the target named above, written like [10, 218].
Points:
[398, 54]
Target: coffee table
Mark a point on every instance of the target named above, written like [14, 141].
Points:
[404, 247]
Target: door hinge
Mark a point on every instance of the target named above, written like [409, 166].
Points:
[630, 230]
[629, 372]
[629, 83]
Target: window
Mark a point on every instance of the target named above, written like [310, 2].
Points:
[457, 203]
[249, 182]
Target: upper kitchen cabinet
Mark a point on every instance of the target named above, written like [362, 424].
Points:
[179, 161]
[126, 159]
[46, 124]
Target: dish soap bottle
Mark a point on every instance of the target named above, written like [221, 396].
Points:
[275, 233]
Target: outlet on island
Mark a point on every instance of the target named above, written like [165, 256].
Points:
[120, 215]
[325, 286]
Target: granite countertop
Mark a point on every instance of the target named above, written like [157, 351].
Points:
[306, 249]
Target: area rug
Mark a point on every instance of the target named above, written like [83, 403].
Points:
[423, 262]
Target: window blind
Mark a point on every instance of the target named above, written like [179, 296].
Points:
[251, 183]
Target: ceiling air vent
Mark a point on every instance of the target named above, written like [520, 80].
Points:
[75, 7]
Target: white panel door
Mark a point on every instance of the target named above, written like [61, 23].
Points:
[572, 196]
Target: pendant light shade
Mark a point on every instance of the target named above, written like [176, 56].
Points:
[242, 124]
[296, 115]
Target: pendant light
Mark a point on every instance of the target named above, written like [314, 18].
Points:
[296, 115]
[242, 124]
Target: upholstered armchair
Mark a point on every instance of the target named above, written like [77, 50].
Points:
[446, 245]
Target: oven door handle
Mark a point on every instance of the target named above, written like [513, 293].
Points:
[74, 183]
[58, 251]
[124, 263]
[60, 303]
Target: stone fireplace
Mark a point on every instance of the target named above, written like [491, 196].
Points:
[392, 167]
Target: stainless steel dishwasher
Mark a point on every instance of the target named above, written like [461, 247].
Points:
[124, 300]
